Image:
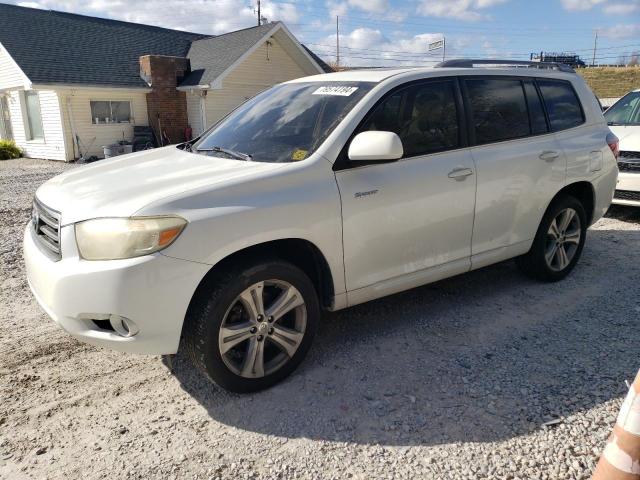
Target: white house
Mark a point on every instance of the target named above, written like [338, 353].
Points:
[70, 84]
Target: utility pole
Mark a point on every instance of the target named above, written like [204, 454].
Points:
[259, 15]
[595, 47]
[444, 47]
[337, 42]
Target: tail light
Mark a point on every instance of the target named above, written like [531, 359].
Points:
[614, 144]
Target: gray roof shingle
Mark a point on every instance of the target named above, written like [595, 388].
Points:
[62, 48]
[323, 65]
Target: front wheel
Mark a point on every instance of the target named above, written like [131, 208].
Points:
[558, 243]
[251, 327]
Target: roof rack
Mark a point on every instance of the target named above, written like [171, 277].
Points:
[470, 63]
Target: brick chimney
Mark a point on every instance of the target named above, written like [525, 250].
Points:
[166, 106]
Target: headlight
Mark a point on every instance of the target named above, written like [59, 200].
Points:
[117, 238]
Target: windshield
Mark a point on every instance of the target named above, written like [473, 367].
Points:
[285, 123]
[626, 111]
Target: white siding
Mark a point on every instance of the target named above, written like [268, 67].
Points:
[193, 112]
[52, 145]
[10, 74]
[265, 67]
[94, 137]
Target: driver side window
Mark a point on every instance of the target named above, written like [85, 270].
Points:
[424, 116]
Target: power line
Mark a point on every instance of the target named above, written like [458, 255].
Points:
[375, 54]
[337, 42]
[428, 59]
[324, 13]
[413, 54]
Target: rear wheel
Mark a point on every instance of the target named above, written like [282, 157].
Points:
[252, 326]
[558, 243]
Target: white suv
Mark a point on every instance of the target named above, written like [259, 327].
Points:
[320, 193]
[624, 120]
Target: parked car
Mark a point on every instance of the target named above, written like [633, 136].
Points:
[320, 193]
[624, 120]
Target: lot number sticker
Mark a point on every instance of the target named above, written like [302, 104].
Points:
[339, 90]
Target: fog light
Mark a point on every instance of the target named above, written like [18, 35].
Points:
[123, 326]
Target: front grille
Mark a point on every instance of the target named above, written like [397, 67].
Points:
[626, 195]
[629, 154]
[629, 161]
[46, 225]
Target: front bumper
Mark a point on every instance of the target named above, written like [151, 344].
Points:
[154, 291]
[628, 182]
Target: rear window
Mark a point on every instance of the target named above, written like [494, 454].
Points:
[498, 109]
[562, 103]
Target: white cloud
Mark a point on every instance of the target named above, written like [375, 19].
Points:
[621, 31]
[577, 5]
[459, 9]
[489, 3]
[369, 47]
[374, 6]
[363, 38]
[337, 8]
[622, 8]
[202, 16]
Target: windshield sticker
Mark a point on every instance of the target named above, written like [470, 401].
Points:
[339, 90]
[299, 154]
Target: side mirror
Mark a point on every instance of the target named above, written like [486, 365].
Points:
[375, 145]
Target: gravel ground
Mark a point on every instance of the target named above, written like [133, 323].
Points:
[452, 380]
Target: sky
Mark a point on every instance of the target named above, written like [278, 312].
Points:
[397, 32]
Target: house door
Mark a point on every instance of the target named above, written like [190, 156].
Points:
[5, 120]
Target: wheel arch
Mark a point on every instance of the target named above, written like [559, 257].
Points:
[584, 192]
[300, 252]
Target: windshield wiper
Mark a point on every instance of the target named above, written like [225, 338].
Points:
[238, 155]
[188, 146]
[615, 124]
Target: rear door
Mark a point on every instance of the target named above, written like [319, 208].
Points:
[519, 163]
[415, 213]
[582, 145]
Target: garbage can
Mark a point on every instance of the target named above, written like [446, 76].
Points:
[112, 150]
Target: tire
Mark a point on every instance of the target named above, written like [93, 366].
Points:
[545, 263]
[229, 302]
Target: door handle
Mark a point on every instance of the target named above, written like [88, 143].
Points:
[549, 155]
[460, 173]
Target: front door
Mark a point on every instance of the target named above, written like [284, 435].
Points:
[5, 120]
[401, 219]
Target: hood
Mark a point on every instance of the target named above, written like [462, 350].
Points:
[629, 136]
[121, 186]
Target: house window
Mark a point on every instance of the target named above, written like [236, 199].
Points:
[106, 112]
[34, 117]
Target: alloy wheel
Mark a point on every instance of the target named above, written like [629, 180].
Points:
[563, 239]
[262, 329]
